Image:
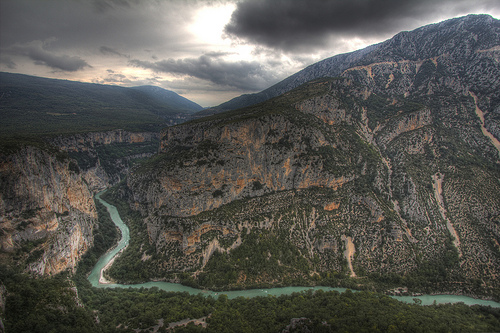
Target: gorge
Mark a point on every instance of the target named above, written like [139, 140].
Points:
[376, 171]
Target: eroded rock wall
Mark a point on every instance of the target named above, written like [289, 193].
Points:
[47, 211]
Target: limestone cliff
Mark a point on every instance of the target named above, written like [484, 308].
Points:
[388, 172]
[47, 211]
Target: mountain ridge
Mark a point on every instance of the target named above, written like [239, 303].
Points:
[170, 97]
[333, 66]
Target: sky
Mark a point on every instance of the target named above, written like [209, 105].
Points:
[207, 51]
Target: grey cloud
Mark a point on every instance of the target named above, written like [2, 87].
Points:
[218, 54]
[295, 25]
[115, 78]
[105, 5]
[7, 62]
[110, 51]
[134, 25]
[121, 79]
[35, 51]
[243, 75]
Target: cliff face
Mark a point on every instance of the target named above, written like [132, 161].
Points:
[105, 157]
[390, 169]
[47, 210]
[86, 141]
[234, 161]
[321, 170]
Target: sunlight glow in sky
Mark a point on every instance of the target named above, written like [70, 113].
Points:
[209, 22]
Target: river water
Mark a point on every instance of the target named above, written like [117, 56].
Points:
[95, 276]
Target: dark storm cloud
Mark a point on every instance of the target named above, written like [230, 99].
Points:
[88, 25]
[292, 25]
[242, 75]
[40, 56]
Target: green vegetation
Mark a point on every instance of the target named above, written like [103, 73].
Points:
[126, 153]
[261, 258]
[106, 235]
[49, 305]
[319, 312]
[14, 144]
[381, 109]
[35, 304]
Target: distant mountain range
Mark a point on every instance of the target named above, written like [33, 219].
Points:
[34, 105]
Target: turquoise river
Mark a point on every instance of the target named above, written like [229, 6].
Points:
[96, 280]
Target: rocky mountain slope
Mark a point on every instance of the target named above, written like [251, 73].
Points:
[47, 211]
[388, 173]
[334, 66]
[104, 158]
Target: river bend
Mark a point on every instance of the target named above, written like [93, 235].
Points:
[98, 281]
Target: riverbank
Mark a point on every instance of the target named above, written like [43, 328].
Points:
[102, 279]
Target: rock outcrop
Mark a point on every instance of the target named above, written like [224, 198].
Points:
[47, 209]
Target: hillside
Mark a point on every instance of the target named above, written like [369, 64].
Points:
[169, 98]
[384, 176]
[32, 106]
